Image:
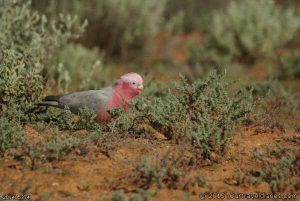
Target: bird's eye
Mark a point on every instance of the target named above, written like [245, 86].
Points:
[133, 83]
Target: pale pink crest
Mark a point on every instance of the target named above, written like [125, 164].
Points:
[132, 77]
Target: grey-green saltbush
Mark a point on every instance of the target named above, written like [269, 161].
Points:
[203, 113]
[246, 31]
[11, 134]
[82, 68]
[26, 40]
[57, 148]
[289, 66]
[118, 26]
[280, 168]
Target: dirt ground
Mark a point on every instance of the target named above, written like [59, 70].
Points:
[94, 174]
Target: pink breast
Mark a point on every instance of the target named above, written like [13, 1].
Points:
[114, 102]
[120, 99]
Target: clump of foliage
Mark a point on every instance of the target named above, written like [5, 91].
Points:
[116, 196]
[58, 147]
[54, 147]
[74, 64]
[166, 171]
[245, 32]
[278, 105]
[202, 113]
[117, 26]
[160, 173]
[142, 195]
[243, 177]
[26, 40]
[60, 118]
[87, 120]
[196, 12]
[279, 168]
[11, 134]
[66, 120]
[289, 66]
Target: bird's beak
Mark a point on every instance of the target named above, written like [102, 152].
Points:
[140, 87]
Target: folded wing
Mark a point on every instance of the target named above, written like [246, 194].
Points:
[92, 99]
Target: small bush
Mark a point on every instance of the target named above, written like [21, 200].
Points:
[280, 173]
[202, 113]
[141, 195]
[245, 32]
[116, 196]
[196, 181]
[80, 70]
[11, 134]
[87, 120]
[64, 119]
[278, 105]
[55, 148]
[116, 26]
[196, 12]
[56, 117]
[58, 147]
[160, 173]
[289, 66]
[26, 40]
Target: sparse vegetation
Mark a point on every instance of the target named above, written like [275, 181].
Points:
[203, 114]
[278, 106]
[80, 70]
[279, 168]
[161, 174]
[26, 43]
[142, 195]
[230, 118]
[289, 66]
[11, 134]
[128, 24]
[245, 32]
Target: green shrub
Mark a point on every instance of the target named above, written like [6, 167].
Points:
[58, 147]
[281, 173]
[26, 40]
[245, 32]
[142, 195]
[278, 105]
[202, 113]
[160, 173]
[289, 66]
[196, 12]
[79, 70]
[55, 117]
[65, 120]
[116, 196]
[53, 149]
[11, 134]
[117, 26]
[279, 169]
[201, 181]
[87, 120]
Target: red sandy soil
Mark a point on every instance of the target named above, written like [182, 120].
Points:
[93, 175]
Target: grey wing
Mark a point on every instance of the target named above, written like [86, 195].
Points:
[92, 99]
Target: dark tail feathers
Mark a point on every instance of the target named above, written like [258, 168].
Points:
[49, 101]
[51, 98]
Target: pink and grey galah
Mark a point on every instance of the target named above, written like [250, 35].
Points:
[117, 96]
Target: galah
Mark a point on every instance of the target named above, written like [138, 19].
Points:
[117, 96]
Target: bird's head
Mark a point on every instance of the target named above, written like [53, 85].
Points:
[130, 83]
